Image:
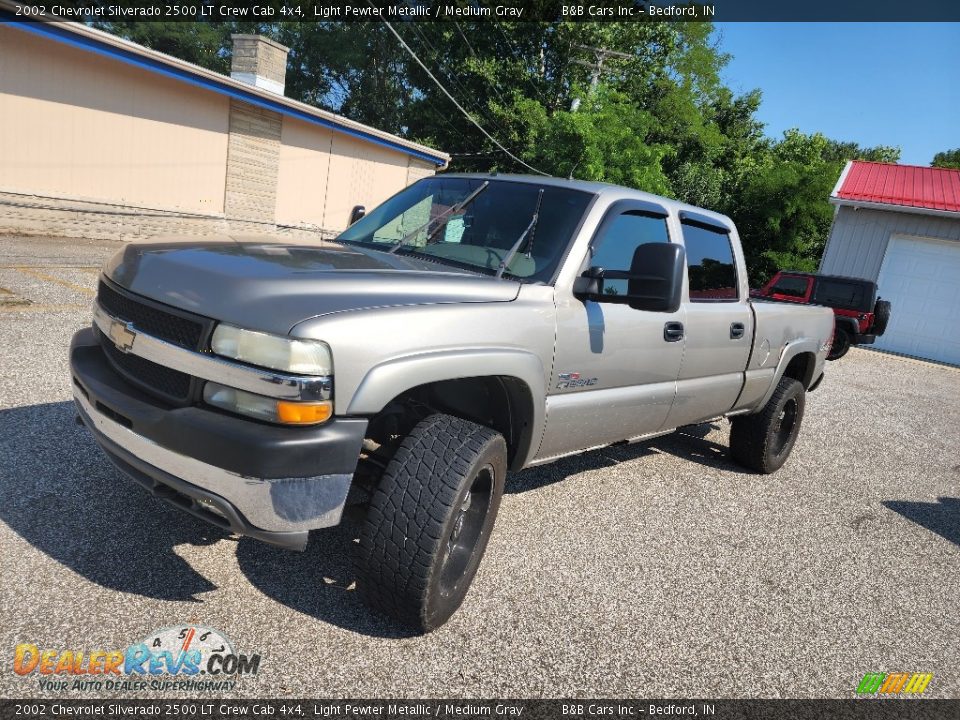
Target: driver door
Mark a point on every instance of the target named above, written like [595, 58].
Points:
[615, 370]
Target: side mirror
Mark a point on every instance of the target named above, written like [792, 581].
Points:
[358, 212]
[654, 281]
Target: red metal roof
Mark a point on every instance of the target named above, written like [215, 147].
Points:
[903, 185]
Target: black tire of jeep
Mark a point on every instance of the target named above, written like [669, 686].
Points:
[841, 343]
[763, 442]
[429, 520]
[881, 317]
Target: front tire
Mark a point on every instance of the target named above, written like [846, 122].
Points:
[763, 442]
[429, 520]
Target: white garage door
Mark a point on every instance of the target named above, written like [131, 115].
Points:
[921, 278]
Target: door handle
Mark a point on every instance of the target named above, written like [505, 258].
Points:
[673, 331]
[736, 330]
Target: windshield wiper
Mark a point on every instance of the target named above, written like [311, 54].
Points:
[516, 246]
[442, 216]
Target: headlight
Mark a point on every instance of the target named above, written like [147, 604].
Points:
[284, 412]
[306, 357]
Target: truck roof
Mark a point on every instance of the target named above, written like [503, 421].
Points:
[608, 190]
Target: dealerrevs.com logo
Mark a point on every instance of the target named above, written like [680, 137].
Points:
[188, 657]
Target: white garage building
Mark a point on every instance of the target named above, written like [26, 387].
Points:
[899, 225]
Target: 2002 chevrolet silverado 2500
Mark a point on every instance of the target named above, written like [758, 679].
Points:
[468, 326]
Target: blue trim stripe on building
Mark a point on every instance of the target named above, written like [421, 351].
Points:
[50, 30]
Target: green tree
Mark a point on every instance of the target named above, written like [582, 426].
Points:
[206, 44]
[947, 159]
[355, 69]
[844, 151]
[781, 206]
[656, 116]
[604, 140]
[520, 81]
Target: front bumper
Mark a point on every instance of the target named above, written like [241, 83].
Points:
[272, 483]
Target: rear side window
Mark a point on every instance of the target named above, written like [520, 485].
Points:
[613, 248]
[842, 294]
[710, 265]
[792, 286]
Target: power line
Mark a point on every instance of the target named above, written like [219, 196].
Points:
[456, 84]
[522, 62]
[490, 80]
[475, 104]
[469, 117]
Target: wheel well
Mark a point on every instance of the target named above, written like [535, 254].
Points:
[801, 368]
[503, 403]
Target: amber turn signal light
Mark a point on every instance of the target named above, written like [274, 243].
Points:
[300, 413]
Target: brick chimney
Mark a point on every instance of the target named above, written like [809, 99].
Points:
[259, 61]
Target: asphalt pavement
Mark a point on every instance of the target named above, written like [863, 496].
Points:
[660, 569]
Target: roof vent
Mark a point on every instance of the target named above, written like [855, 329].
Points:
[259, 61]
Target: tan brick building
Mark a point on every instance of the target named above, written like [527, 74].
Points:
[104, 138]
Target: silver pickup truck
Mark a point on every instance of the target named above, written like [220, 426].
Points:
[468, 326]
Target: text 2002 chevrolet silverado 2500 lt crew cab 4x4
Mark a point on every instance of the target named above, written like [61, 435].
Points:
[467, 326]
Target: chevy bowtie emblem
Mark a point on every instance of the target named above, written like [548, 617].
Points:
[122, 335]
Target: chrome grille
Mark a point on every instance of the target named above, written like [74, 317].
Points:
[178, 328]
[151, 318]
[171, 385]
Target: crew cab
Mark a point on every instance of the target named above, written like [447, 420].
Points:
[861, 316]
[468, 326]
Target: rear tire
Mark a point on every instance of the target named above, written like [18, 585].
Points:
[881, 317]
[763, 442]
[429, 520]
[841, 343]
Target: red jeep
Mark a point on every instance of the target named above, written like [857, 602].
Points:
[859, 315]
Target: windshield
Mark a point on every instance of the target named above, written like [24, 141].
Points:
[481, 233]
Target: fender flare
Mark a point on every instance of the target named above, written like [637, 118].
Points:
[790, 351]
[387, 380]
[847, 323]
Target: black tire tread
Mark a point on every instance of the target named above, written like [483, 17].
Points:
[402, 531]
[750, 434]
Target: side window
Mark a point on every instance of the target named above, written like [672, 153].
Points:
[841, 294]
[792, 286]
[710, 265]
[613, 248]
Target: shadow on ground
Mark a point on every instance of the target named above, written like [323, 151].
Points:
[60, 493]
[319, 582]
[941, 517]
[688, 443]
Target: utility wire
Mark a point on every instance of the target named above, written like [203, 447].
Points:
[457, 85]
[490, 80]
[522, 62]
[452, 99]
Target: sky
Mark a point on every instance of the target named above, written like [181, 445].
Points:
[870, 83]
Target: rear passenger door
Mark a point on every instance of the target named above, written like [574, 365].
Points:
[718, 325]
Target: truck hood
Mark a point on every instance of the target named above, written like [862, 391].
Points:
[272, 287]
